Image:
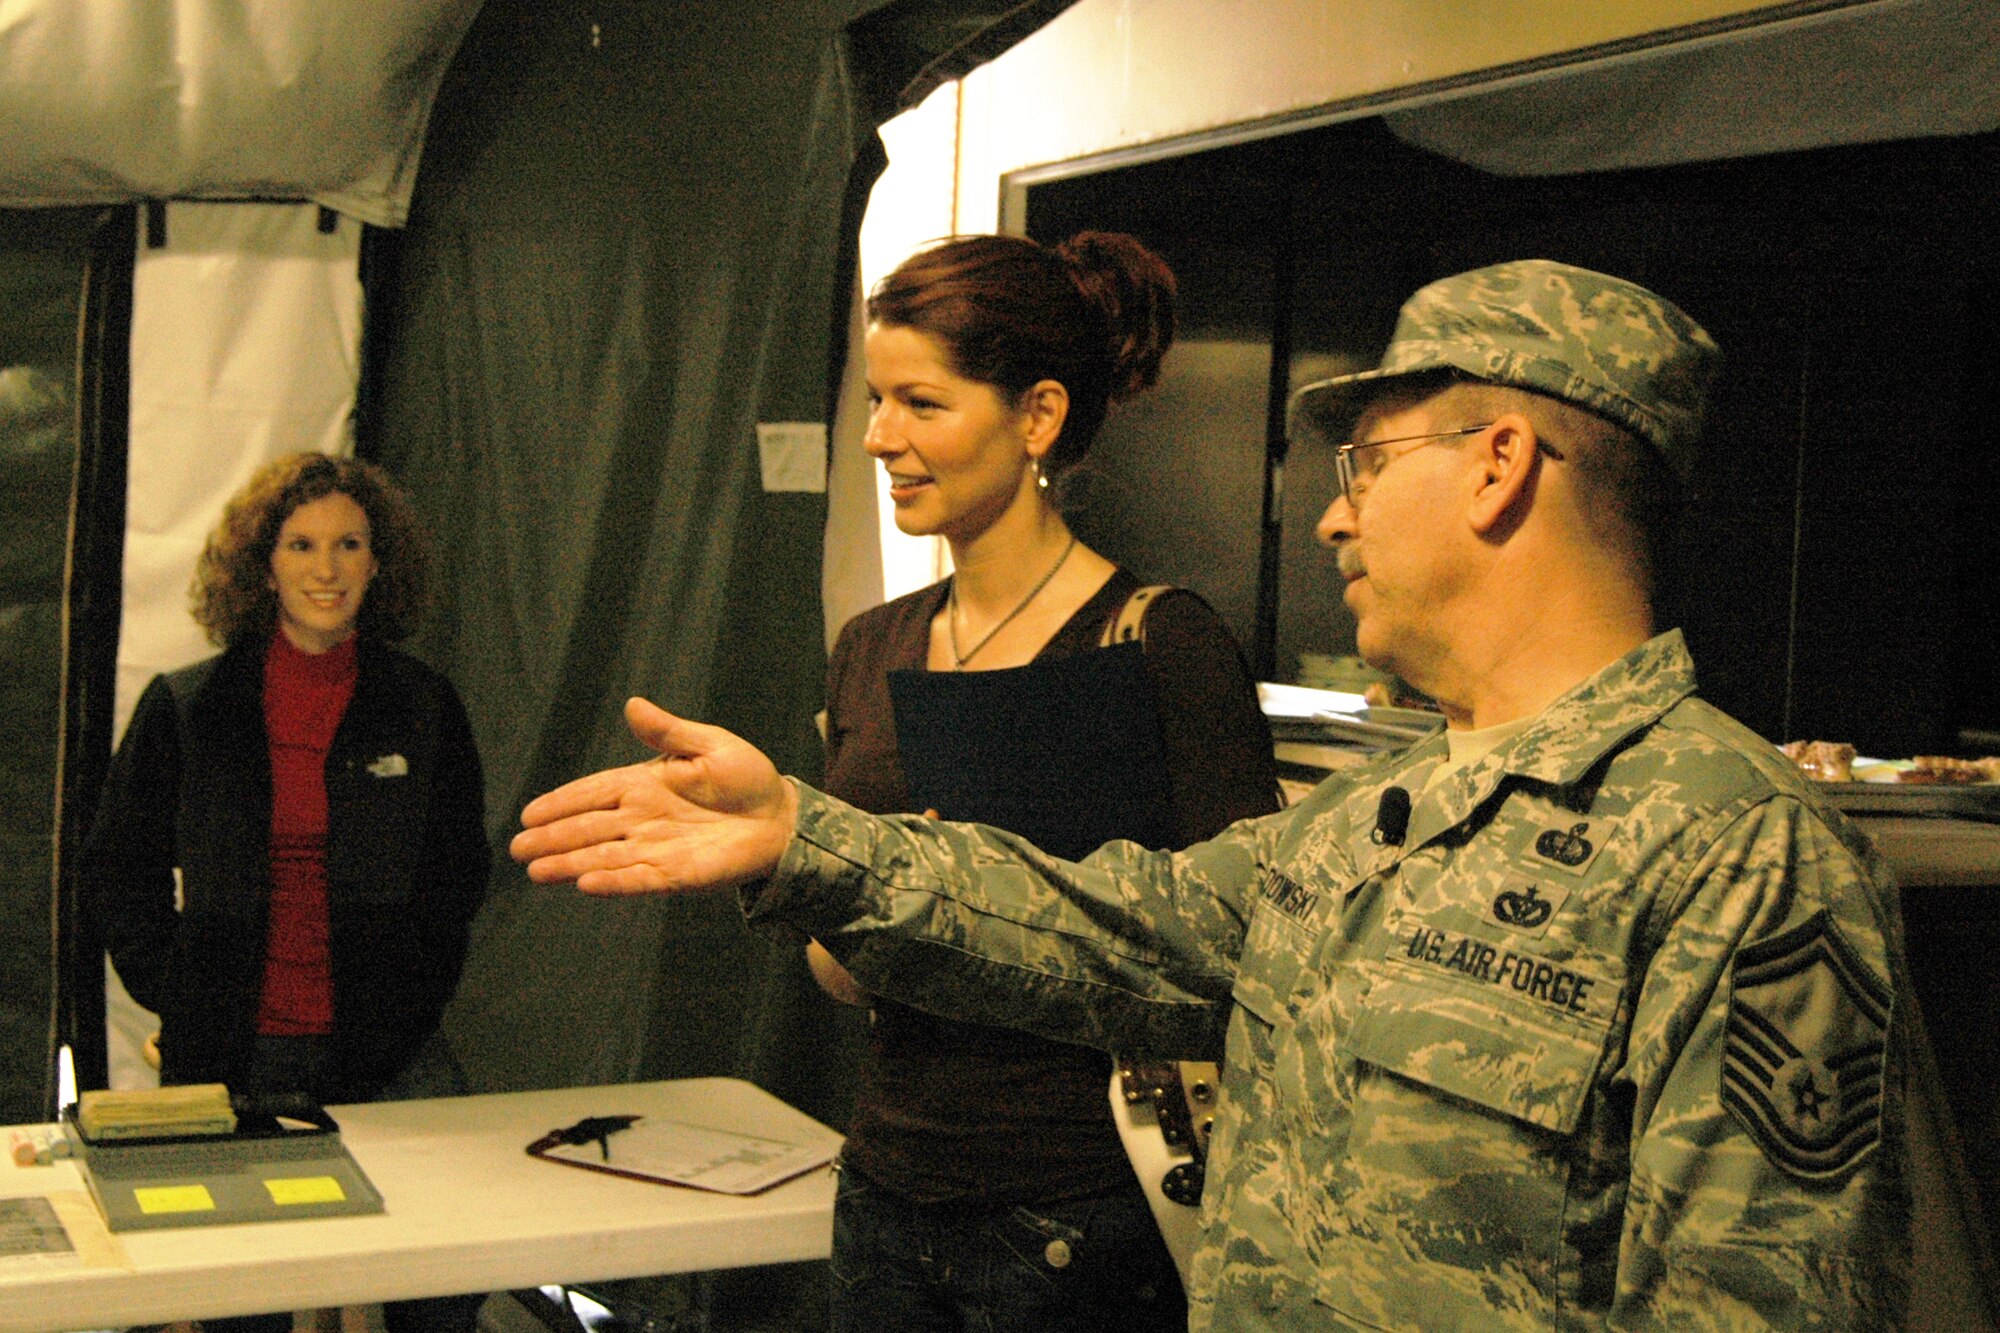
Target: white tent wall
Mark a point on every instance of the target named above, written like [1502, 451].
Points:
[246, 344]
[909, 204]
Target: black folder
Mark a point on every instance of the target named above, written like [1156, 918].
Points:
[1067, 753]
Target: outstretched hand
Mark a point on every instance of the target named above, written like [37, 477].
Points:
[709, 812]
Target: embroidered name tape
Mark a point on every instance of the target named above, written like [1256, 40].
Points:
[1290, 897]
[1559, 987]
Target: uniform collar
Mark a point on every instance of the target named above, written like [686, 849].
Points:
[1566, 740]
[1582, 726]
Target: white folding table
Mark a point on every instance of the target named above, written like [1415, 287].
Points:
[467, 1209]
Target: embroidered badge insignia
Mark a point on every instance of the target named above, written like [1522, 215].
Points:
[1565, 848]
[390, 766]
[1522, 908]
[1802, 1059]
[1559, 841]
[1526, 907]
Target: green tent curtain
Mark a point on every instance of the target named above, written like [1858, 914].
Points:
[633, 240]
[61, 270]
[629, 244]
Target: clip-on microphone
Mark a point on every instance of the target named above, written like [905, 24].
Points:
[1392, 818]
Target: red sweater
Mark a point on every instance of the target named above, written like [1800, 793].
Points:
[305, 696]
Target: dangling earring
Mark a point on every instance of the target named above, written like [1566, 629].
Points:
[1041, 477]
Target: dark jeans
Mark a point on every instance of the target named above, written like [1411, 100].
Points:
[1090, 1265]
[304, 1064]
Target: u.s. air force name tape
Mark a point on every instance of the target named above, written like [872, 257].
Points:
[1560, 986]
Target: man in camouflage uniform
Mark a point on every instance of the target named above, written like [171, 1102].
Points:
[1595, 1031]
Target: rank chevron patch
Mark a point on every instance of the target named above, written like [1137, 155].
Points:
[1802, 1060]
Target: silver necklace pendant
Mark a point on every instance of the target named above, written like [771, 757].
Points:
[958, 658]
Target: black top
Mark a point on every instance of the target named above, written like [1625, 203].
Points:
[406, 862]
[951, 1110]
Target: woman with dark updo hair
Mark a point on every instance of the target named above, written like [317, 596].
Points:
[983, 1184]
[291, 842]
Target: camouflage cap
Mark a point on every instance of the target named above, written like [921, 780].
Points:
[1605, 344]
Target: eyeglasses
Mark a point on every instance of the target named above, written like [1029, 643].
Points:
[1359, 462]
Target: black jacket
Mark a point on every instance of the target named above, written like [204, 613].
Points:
[406, 861]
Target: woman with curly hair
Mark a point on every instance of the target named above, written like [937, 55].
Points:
[318, 795]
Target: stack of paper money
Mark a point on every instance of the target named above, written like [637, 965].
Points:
[151, 1113]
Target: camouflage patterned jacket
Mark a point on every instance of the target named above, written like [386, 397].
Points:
[1607, 1041]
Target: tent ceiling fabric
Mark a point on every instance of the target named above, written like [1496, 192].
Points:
[1897, 69]
[216, 99]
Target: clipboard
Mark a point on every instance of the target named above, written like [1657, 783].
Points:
[674, 1152]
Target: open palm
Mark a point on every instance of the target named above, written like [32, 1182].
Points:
[709, 812]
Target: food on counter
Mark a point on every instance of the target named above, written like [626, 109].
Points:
[1827, 761]
[1833, 761]
[1946, 771]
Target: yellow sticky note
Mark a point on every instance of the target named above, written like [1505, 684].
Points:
[174, 1199]
[305, 1189]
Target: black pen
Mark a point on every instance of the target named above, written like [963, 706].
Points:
[596, 1129]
